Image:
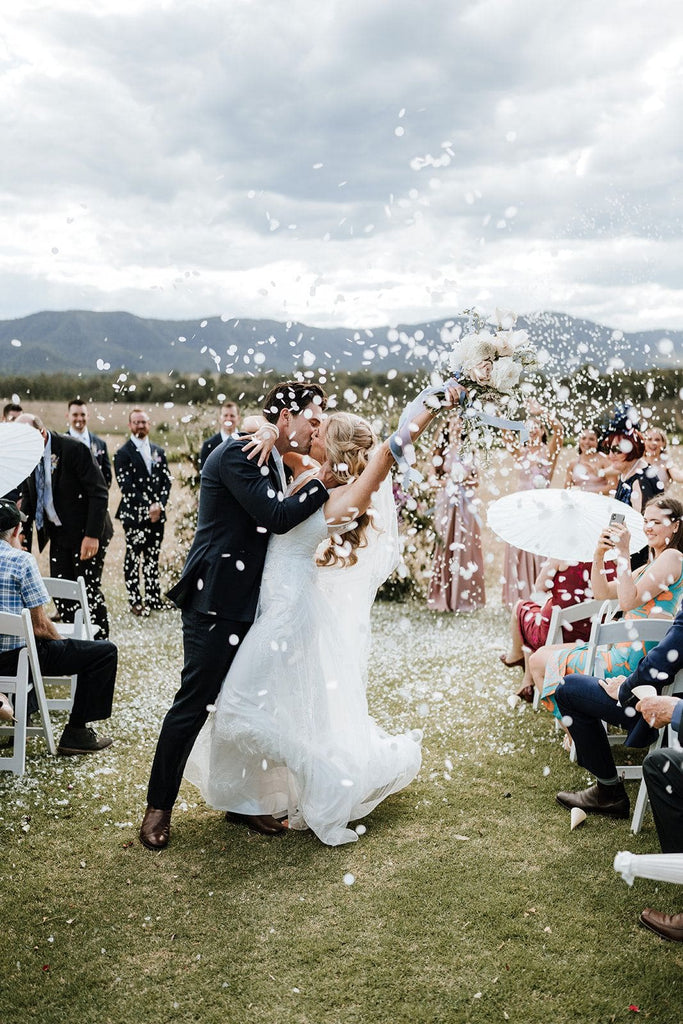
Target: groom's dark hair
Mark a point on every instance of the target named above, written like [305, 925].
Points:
[292, 395]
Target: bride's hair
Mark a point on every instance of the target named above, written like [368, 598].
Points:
[348, 443]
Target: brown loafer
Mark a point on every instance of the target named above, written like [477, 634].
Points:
[667, 926]
[609, 800]
[264, 824]
[155, 830]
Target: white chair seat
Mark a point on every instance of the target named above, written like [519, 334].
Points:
[20, 685]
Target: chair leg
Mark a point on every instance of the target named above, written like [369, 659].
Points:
[640, 808]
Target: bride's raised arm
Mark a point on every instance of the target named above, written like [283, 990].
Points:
[350, 500]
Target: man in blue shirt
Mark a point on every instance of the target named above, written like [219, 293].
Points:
[93, 661]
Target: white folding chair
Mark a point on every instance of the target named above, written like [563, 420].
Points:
[20, 684]
[642, 800]
[80, 629]
[598, 611]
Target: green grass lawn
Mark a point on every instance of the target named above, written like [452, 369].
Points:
[470, 899]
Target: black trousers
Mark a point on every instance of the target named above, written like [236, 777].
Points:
[65, 562]
[663, 774]
[208, 653]
[143, 544]
[95, 663]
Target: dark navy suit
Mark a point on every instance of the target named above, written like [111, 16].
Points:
[239, 507]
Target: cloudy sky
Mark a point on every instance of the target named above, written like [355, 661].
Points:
[358, 162]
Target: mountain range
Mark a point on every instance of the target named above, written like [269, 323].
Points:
[87, 342]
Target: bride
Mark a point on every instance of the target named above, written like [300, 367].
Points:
[291, 735]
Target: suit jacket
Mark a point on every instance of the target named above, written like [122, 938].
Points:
[658, 669]
[140, 489]
[79, 493]
[238, 508]
[100, 454]
[208, 447]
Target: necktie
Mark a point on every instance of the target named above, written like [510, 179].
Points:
[40, 494]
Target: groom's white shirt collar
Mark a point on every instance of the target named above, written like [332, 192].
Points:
[277, 458]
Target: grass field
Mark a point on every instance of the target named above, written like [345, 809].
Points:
[470, 899]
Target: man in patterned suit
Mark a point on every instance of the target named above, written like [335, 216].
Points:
[145, 482]
[77, 420]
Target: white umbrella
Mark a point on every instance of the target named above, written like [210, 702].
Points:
[21, 447]
[562, 524]
[663, 867]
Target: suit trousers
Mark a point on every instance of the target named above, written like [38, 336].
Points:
[663, 774]
[209, 647]
[143, 544]
[583, 700]
[93, 661]
[65, 562]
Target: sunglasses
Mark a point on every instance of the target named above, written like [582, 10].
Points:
[615, 449]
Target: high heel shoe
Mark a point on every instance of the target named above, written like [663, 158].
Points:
[6, 709]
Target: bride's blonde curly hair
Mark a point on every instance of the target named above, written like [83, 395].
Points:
[348, 443]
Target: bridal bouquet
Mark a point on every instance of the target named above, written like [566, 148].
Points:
[489, 360]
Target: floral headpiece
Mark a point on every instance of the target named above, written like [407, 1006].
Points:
[624, 421]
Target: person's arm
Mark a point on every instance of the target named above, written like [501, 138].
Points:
[91, 479]
[659, 711]
[105, 465]
[544, 580]
[603, 589]
[554, 443]
[43, 627]
[569, 479]
[674, 472]
[659, 667]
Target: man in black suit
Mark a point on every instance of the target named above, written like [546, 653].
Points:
[663, 774]
[145, 481]
[77, 420]
[239, 506]
[66, 497]
[228, 422]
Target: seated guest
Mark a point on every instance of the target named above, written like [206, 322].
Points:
[663, 774]
[566, 584]
[228, 422]
[94, 661]
[586, 702]
[653, 589]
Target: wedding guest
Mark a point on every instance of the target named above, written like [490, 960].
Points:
[228, 422]
[590, 470]
[11, 411]
[637, 482]
[145, 482]
[653, 589]
[93, 661]
[536, 461]
[566, 584]
[77, 422]
[66, 498]
[658, 458]
[457, 581]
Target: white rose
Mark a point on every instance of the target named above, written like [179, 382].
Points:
[481, 373]
[505, 374]
[505, 319]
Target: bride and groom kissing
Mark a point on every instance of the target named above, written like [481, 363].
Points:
[275, 598]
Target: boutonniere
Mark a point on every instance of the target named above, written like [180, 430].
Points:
[54, 462]
[94, 449]
[156, 458]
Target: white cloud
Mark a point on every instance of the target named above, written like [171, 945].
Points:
[186, 159]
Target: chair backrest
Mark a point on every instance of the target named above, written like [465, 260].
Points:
[73, 590]
[596, 610]
[623, 632]
[21, 626]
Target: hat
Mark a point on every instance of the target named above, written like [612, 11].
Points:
[10, 516]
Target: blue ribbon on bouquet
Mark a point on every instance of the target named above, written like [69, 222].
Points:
[401, 445]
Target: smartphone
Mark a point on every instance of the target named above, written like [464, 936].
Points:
[617, 517]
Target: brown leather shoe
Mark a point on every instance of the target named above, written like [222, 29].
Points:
[609, 800]
[155, 830]
[667, 926]
[264, 824]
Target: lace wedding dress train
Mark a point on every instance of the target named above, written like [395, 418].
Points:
[291, 734]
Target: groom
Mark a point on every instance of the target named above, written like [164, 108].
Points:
[240, 504]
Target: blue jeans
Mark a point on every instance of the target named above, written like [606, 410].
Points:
[583, 700]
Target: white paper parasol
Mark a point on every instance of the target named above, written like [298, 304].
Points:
[561, 524]
[21, 447]
[663, 867]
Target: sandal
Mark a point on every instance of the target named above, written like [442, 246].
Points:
[511, 664]
[527, 693]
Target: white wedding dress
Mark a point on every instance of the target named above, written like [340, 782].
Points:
[291, 734]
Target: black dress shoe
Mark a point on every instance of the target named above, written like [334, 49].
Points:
[155, 830]
[82, 741]
[609, 800]
[264, 824]
[667, 926]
